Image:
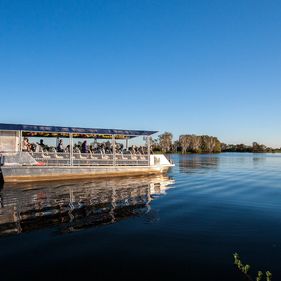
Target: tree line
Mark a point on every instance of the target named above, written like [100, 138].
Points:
[186, 144]
[254, 148]
[202, 144]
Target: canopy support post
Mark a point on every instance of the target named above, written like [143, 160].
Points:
[70, 149]
[20, 140]
[127, 143]
[114, 150]
[148, 149]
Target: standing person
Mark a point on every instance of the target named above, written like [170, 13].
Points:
[84, 147]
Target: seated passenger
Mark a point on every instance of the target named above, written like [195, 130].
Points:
[76, 149]
[26, 146]
[41, 145]
[84, 147]
[60, 146]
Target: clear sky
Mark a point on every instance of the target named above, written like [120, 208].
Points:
[203, 67]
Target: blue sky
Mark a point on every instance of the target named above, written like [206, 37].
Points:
[203, 67]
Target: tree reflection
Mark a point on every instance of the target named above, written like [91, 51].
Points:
[191, 162]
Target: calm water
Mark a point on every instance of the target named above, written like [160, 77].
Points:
[183, 226]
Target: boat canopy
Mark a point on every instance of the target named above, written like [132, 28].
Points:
[76, 132]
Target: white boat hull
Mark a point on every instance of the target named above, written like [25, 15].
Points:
[46, 173]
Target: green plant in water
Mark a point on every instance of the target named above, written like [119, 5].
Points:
[268, 276]
[236, 258]
[259, 277]
[240, 265]
[245, 269]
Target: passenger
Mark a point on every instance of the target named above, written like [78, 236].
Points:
[84, 147]
[41, 145]
[76, 149]
[60, 146]
[26, 146]
[133, 149]
[33, 147]
[95, 146]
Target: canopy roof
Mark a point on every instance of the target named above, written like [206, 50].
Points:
[53, 131]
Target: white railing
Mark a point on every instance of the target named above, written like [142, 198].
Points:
[90, 159]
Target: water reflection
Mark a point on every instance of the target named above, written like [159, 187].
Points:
[76, 205]
[192, 163]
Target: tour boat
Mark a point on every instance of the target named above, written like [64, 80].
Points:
[19, 164]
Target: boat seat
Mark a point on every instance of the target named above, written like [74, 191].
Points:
[134, 157]
[54, 155]
[104, 156]
[40, 155]
[141, 157]
[93, 156]
[78, 155]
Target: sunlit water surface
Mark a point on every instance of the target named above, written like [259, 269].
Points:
[183, 226]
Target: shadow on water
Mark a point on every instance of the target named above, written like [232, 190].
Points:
[76, 205]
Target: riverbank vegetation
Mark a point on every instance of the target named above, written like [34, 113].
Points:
[254, 148]
[203, 144]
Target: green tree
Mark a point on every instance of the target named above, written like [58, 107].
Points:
[166, 141]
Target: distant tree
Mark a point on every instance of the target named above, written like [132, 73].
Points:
[176, 146]
[195, 144]
[258, 147]
[217, 146]
[199, 144]
[205, 144]
[155, 146]
[184, 142]
[166, 141]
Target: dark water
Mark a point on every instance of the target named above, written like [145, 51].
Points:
[184, 226]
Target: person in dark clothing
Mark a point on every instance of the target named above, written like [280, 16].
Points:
[41, 143]
[60, 146]
[84, 147]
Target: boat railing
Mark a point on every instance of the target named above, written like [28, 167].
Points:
[76, 159]
[90, 159]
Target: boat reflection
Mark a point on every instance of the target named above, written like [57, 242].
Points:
[76, 205]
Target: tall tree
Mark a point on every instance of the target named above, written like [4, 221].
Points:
[199, 144]
[166, 141]
[185, 141]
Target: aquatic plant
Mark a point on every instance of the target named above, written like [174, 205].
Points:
[245, 269]
[259, 277]
[268, 276]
